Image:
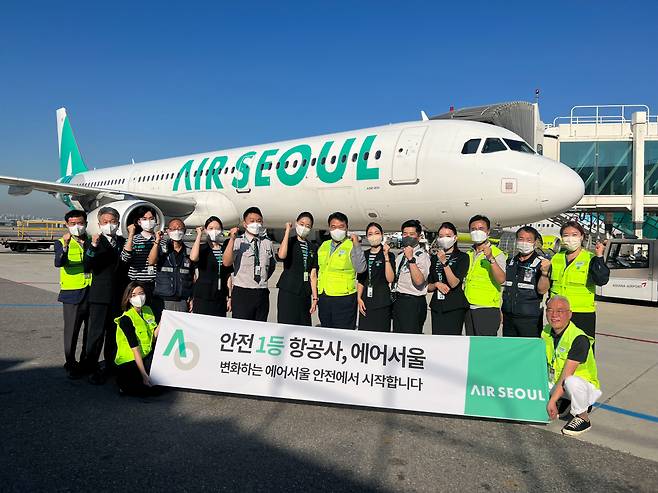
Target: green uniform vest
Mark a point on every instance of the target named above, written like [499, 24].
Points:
[557, 357]
[336, 275]
[144, 328]
[73, 275]
[480, 286]
[572, 281]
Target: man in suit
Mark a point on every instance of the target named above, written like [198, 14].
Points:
[103, 259]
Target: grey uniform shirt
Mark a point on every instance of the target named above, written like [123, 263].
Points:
[405, 284]
[502, 263]
[244, 272]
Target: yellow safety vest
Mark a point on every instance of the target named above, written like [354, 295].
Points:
[557, 359]
[572, 281]
[72, 275]
[480, 286]
[144, 327]
[336, 274]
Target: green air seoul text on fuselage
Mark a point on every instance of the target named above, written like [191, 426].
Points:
[259, 170]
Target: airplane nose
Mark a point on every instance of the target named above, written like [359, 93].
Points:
[560, 188]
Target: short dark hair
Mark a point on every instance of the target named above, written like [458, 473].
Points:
[213, 219]
[338, 216]
[480, 217]
[75, 213]
[412, 223]
[376, 225]
[529, 229]
[306, 214]
[141, 210]
[251, 210]
[573, 224]
[125, 299]
[448, 225]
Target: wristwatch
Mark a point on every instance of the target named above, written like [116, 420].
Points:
[412, 260]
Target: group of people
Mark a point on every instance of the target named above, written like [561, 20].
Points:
[118, 288]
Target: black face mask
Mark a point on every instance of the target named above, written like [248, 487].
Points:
[409, 241]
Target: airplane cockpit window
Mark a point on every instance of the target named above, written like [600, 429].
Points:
[519, 146]
[471, 146]
[493, 145]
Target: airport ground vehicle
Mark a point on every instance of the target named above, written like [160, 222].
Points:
[34, 234]
[633, 270]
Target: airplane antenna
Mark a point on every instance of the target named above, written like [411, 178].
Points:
[537, 96]
[132, 159]
[423, 116]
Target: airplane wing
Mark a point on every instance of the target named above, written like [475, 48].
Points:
[171, 206]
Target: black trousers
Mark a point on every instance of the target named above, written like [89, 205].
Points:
[292, 308]
[338, 312]
[74, 316]
[522, 325]
[376, 319]
[216, 308]
[482, 321]
[130, 381]
[101, 335]
[409, 314]
[585, 322]
[450, 323]
[251, 304]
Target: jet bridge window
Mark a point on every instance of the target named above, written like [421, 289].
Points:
[628, 256]
[471, 146]
[519, 146]
[493, 145]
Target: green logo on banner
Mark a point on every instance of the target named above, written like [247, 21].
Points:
[495, 388]
[184, 349]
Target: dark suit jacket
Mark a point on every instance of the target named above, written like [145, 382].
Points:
[109, 273]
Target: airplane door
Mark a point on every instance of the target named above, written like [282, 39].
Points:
[405, 158]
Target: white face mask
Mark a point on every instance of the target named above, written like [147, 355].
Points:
[138, 301]
[255, 228]
[572, 243]
[525, 247]
[479, 236]
[176, 234]
[147, 224]
[338, 234]
[375, 240]
[108, 229]
[302, 231]
[77, 230]
[446, 242]
[214, 234]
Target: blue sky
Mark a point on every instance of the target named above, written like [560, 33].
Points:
[146, 81]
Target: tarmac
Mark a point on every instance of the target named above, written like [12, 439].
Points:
[68, 435]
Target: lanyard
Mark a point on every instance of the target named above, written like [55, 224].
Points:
[371, 261]
[304, 246]
[254, 243]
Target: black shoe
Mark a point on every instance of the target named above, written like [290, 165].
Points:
[577, 426]
[74, 373]
[563, 408]
[97, 378]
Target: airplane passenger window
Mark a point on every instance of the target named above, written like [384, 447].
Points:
[493, 145]
[471, 146]
[333, 159]
[304, 163]
[378, 154]
[343, 158]
[294, 163]
[628, 256]
[313, 162]
[324, 160]
[286, 166]
[354, 156]
[519, 146]
[366, 155]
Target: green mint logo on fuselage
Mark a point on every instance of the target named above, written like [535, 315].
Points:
[206, 174]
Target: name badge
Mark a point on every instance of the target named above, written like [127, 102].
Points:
[257, 270]
[150, 270]
[527, 276]
[87, 275]
[219, 284]
[440, 295]
[305, 276]
[369, 292]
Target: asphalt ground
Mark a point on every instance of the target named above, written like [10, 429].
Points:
[64, 435]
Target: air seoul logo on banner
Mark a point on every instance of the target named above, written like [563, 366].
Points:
[290, 168]
[185, 354]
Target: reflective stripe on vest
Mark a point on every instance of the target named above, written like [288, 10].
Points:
[72, 275]
[336, 275]
[144, 328]
[572, 281]
[556, 357]
[480, 286]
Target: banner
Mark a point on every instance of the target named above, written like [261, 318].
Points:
[475, 376]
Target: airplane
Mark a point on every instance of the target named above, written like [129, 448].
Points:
[431, 170]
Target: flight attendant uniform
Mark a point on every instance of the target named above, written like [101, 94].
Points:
[294, 298]
[376, 293]
[449, 310]
[211, 287]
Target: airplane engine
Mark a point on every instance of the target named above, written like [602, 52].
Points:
[126, 210]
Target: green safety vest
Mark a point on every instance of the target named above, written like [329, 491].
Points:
[572, 281]
[144, 328]
[480, 286]
[556, 360]
[73, 275]
[336, 274]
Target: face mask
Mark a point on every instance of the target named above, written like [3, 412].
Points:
[77, 230]
[525, 247]
[409, 241]
[108, 229]
[302, 231]
[338, 234]
[214, 234]
[571, 243]
[375, 240]
[138, 301]
[147, 224]
[479, 236]
[176, 234]
[255, 228]
[446, 242]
